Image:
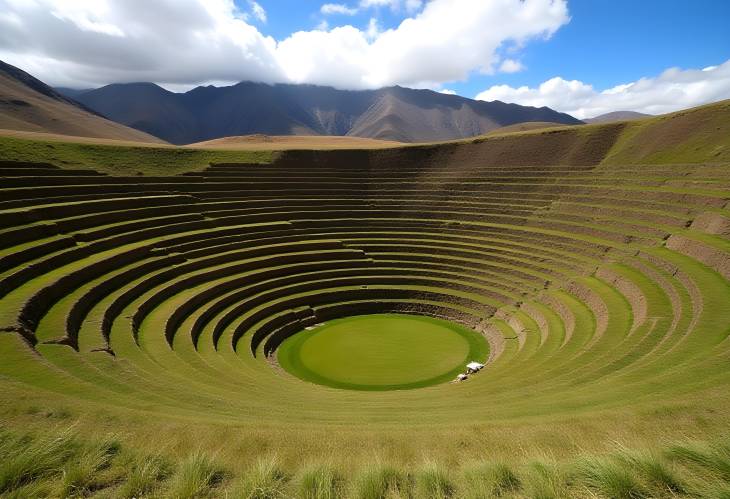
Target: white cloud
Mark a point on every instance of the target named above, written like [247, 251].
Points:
[373, 29]
[394, 5]
[672, 90]
[445, 42]
[413, 5]
[447, 91]
[257, 10]
[173, 42]
[511, 66]
[337, 8]
[178, 42]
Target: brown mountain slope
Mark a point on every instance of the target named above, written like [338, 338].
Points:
[395, 118]
[27, 104]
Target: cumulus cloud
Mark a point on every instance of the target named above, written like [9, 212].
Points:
[447, 91]
[337, 8]
[258, 11]
[92, 42]
[178, 42]
[444, 42]
[672, 90]
[394, 5]
[511, 66]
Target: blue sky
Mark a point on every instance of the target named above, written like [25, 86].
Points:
[583, 57]
[606, 42]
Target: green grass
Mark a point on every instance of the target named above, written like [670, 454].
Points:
[123, 160]
[608, 375]
[382, 352]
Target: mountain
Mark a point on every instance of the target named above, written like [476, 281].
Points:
[618, 116]
[72, 92]
[392, 113]
[28, 104]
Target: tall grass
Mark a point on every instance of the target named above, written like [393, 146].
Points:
[382, 481]
[26, 459]
[714, 458]
[321, 482]
[433, 481]
[196, 476]
[655, 472]
[83, 474]
[63, 465]
[265, 480]
[144, 476]
[610, 477]
[544, 481]
[487, 480]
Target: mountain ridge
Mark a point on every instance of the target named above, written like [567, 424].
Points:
[390, 113]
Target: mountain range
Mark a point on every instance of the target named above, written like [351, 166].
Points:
[392, 113]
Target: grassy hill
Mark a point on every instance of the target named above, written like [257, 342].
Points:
[162, 335]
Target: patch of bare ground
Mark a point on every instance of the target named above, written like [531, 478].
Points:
[712, 223]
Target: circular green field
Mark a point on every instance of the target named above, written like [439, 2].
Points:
[382, 352]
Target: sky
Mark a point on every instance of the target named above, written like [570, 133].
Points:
[583, 57]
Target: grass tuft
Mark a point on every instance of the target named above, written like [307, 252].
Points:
[81, 474]
[714, 458]
[321, 482]
[265, 480]
[379, 481]
[144, 477]
[610, 477]
[196, 477]
[544, 481]
[433, 481]
[26, 459]
[487, 480]
[653, 470]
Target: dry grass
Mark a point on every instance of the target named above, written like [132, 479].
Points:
[289, 142]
